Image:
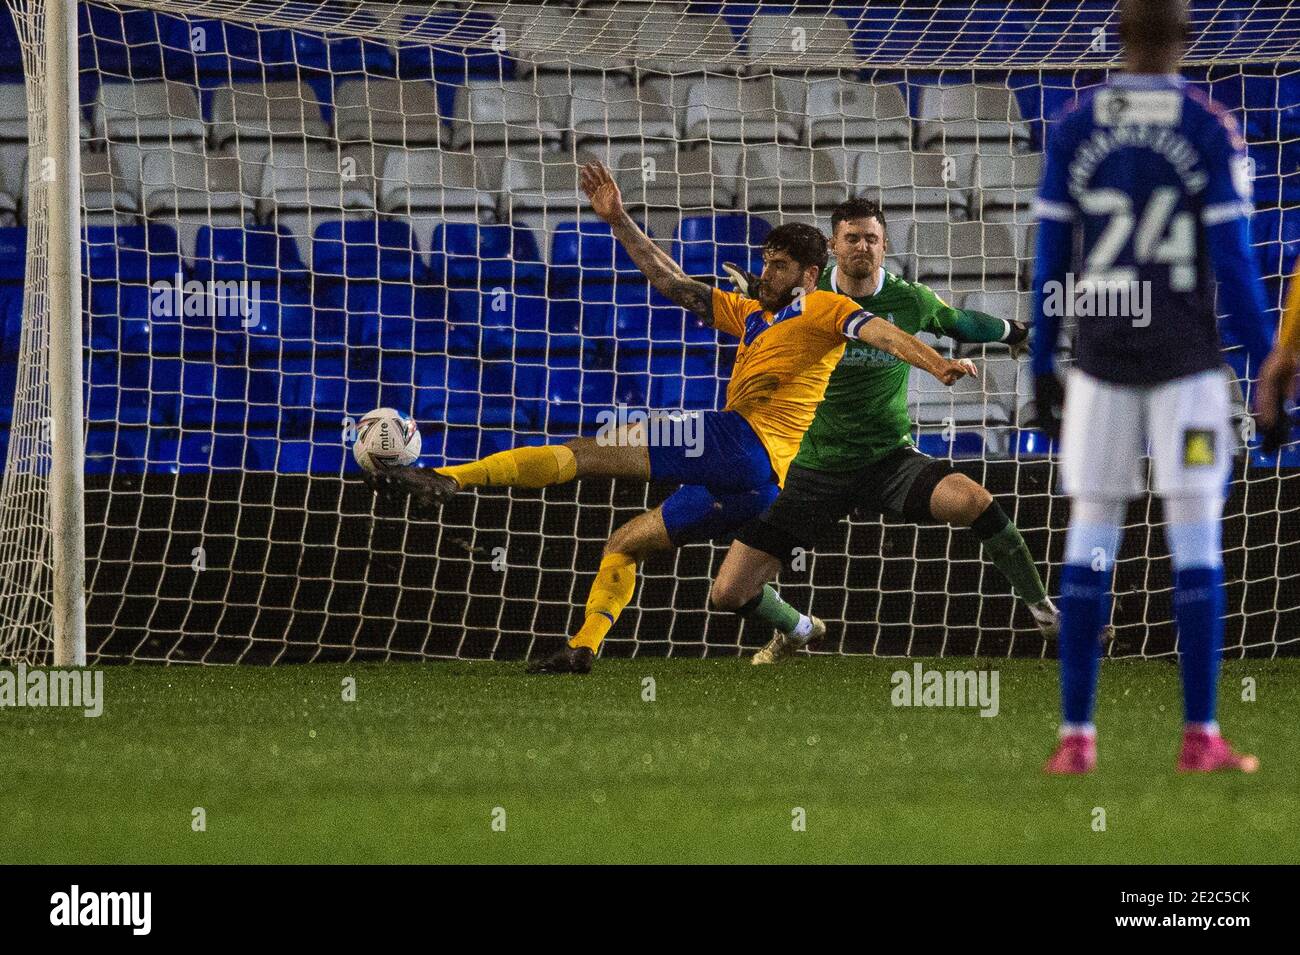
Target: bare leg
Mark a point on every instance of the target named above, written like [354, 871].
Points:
[741, 578]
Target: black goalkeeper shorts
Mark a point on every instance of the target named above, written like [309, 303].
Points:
[811, 502]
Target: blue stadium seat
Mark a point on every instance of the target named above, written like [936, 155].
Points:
[220, 51]
[964, 444]
[1289, 457]
[341, 57]
[13, 254]
[458, 444]
[1277, 176]
[702, 243]
[371, 279]
[247, 253]
[454, 63]
[469, 255]
[1033, 444]
[495, 325]
[119, 264]
[11, 52]
[1275, 236]
[119, 44]
[366, 249]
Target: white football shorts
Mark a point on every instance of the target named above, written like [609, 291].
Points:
[1185, 424]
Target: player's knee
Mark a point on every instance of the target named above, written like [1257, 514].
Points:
[727, 594]
[626, 540]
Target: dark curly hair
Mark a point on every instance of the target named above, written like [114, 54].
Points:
[803, 243]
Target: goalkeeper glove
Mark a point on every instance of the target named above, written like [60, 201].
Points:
[1280, 433]
[744, 282]
[1049, 399]
[1018, 339]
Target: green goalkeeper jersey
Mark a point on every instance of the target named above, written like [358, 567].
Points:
[863, 416]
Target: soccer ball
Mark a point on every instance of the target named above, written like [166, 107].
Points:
[386, 438]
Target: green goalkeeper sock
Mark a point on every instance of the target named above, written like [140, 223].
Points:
[1006, 548]
[770, 609]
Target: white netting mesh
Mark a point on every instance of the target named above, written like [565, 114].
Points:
[298, 212]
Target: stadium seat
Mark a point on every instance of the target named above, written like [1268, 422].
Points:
[951, 116]
[370, 276]
[660, 47]
[469, 255]
[492, 118]
[662, 184]
[301, 190]
[911, 187]
[965, 256]
[774, 180]
[247, 253]
[122, 44]
[840, 112]
[670, 392]
[702, 243]
[218, 52]
[341, 56]
[828, 45]
[162, 111]
[119, 265]
[107, 196]
[431, 187]
[379, 110]
[1005, 186]
[536, 192]
[723, 108]
[470, 57]
[955, 444]
[615, 109]
[261, 112]
[193, 191]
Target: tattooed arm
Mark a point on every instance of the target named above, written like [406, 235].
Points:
[657, 266]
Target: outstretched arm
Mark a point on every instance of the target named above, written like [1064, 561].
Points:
[889, 338]
[657, 266]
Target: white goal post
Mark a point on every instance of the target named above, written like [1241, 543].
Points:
[245, 223]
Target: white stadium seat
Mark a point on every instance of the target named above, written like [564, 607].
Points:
[740, 109]
[374, 110]
[256, 112]
[989, 116]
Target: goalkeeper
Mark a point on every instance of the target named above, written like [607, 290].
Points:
[858, 451]
[790, 340]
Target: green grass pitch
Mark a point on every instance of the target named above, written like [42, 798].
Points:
[586, 770]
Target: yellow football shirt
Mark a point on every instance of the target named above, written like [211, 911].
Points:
[783, 364]
[1289, 335]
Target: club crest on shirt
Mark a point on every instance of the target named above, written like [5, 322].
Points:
[1198, 448]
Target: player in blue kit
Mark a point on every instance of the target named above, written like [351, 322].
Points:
[1155, 179]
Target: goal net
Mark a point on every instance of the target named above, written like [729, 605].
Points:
[294, 213]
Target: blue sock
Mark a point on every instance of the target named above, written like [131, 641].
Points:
[1085, 599]
[1198, 611]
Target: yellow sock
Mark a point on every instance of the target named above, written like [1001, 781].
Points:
[615, 583]
[532, 467]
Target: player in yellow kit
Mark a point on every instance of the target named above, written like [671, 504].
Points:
[1277, 381]
[790, 341]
